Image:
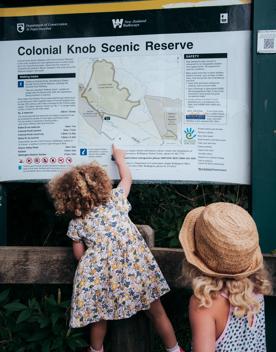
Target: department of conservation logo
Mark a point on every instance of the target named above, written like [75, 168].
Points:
[117, 22]
[35, 27]
[20, 27]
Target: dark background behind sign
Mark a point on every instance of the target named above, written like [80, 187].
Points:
[264, 145]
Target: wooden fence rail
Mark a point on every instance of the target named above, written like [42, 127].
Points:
[56, 265]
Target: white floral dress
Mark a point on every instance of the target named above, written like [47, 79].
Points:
[117, 276]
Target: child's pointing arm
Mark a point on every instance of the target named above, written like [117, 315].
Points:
[124, 171]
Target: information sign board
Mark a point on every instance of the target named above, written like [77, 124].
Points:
[167, 82]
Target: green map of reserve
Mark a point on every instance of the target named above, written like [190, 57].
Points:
[123, 101]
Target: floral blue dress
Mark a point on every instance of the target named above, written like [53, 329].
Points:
[117, 276]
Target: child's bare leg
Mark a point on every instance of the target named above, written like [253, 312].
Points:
[97, 334]
[162, 324]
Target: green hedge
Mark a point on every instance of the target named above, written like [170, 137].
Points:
[38, 320]
[37, 325]
[32, 219]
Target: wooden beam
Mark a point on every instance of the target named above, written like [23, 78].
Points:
[56, 265]
[42, 265]
[170, 262]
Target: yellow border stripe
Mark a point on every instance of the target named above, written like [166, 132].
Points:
[91, 8]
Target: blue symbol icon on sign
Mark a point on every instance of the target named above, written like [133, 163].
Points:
[83, 151]
[20, 84]
[190, 133]
[20, 167]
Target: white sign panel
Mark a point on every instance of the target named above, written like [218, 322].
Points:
[170, 86]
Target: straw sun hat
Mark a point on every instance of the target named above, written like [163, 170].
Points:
[221, 240]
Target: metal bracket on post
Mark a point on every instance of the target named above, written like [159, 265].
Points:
[3, 216]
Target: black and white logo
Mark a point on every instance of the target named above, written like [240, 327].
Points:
[117, 22]
[20, 27]
[224, 18]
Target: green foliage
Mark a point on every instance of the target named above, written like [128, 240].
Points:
[164, 207]
[37, 326]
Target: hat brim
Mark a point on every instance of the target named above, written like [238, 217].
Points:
[187, 240]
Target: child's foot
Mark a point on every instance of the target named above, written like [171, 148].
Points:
[91, 349]
[176, 348]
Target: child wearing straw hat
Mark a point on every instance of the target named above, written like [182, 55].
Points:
[224, 266]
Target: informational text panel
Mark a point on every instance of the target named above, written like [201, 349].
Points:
[170, 85]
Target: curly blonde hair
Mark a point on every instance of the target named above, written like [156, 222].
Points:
[80, 189]
[241, 292]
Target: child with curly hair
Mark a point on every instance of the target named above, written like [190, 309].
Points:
[224, 265]
[117, 276]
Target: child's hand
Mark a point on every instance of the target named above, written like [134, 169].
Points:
[118, 154]
[124, 172]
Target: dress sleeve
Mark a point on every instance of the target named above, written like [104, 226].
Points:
[120, 198]
[73, 232]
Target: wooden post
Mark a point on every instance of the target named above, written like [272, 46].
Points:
[148, 234]
[134, 334]
[3, 216]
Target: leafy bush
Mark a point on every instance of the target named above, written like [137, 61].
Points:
[163, 207]
[41, 325]
[37, 326]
